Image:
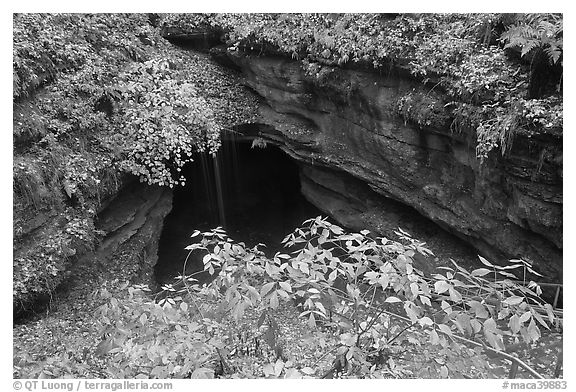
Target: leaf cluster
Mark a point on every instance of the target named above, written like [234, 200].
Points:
[166, 120]
[369, 294]
[536, 32]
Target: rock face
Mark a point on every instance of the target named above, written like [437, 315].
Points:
[506, 207]
[133, 223]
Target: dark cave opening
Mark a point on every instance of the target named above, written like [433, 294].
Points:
[253, 192]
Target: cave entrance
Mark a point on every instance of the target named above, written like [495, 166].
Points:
[253, 192]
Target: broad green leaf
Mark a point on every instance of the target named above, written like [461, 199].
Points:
[507, 274]
[515, 266]
[443, 371]
[384, 281]
[463, 270]
[480, 272]
[333, 275]
[307, 370]
[415, 289]
[445, 306]
[392, 300]
[446, 329]
[348, 339]
[261, 319]
[514, 323]
[283, 294]
[455, 295]
[320, 307]
[441, 286]
[463, 322]
[278, 366]
[425, 321]
[336, 229]
[525, 317]
[425, 300]
[159, 372]
[490, 325]
[539, 318]
[550, 312]
[485, 262]
[476, 325]
[533, 331]
[478, 308]
[409, 268]
[513, 300]
[350, 353]
[534, 272]
[411, 313]
[341, 350]
[425, 289]
[268, 369]
[286, 286]
[274, 300]
[312, 320]
[266, 288]
[494, 340]
[292, 373]
[202, 373]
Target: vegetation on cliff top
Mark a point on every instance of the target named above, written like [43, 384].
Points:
[502, 73]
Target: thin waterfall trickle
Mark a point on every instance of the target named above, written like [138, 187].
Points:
[254, 193]
[219, 191]
[207, 181]
[232, 155]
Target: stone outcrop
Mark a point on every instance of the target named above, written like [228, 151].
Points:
[352, 203]
[506, 207]
[129, 224]
[133, 222]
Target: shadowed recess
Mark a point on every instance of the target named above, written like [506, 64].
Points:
[254, 193]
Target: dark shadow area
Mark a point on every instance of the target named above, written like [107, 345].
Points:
[200, 41]
[260, 203]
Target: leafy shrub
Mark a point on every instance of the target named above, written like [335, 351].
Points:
[365, 290]
[539, 38]
[166, 121]
[48, 45]
[539, 32]
[152, 339]
[40, 268]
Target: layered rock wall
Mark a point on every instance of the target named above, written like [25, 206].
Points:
[350, 120]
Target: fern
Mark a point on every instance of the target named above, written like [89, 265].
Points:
[554, 53]
[541, 32]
